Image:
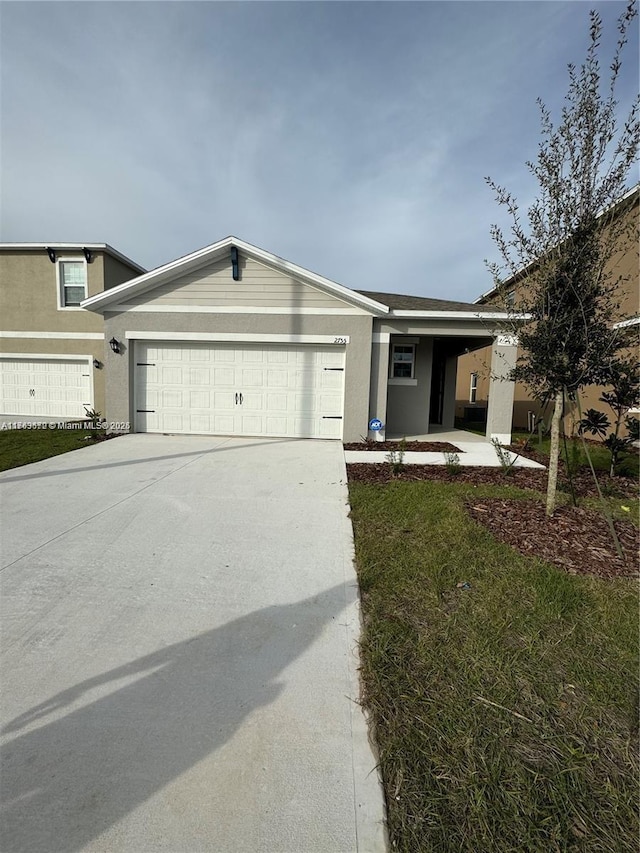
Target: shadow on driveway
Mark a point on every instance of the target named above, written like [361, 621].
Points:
[67, 781]
[139, 460]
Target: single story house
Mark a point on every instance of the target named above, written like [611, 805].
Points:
[233, 340]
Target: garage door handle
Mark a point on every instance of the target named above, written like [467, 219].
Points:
[340, 369]
[332, 417]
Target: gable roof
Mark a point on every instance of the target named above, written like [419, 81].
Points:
[215, 251]
[94, 247]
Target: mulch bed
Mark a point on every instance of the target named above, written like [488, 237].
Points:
[575, 539]
[524, 478]
[410, 446]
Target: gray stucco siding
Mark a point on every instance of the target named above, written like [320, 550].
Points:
[120, 399]
[408, 405]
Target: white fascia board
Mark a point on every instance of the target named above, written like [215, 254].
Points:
[457, 315]
[233, 337]
[50, 356]
[230, 309]
[61, 336]
[623, 324]
[166, 272]
[73, 247]
[524, 268]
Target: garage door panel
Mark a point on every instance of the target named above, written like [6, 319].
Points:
[171, 398]
[279, 403]
[251, 378]
[200, 422]
[224, 376]
[199, 376]
[307, 405]
[171, 375]
[223, 401]
[50, 387]
[223, 424]
[199, 399]
[233, 389]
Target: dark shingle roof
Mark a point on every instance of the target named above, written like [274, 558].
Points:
[422, 303]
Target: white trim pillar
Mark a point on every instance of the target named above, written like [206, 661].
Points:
[504, 354]
[379, 382]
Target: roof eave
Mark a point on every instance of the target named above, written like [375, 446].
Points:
[96, 247]
[456, 315]
[101, 301]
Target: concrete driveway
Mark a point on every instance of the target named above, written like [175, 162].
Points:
[179, 617]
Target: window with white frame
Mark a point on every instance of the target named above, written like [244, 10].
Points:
[403, 361]
[72, 283]
[473, 387]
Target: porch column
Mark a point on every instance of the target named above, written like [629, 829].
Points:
[449, 399]
[379, 377]
[504, 353]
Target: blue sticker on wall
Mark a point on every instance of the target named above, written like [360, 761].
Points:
[375, 424]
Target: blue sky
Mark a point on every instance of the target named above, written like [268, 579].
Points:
[350, 138]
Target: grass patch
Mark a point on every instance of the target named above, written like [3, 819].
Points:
[505, 713]
[22, 446]
[629, 465]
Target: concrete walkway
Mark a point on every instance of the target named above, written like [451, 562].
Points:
[474, 451]
[179, 622]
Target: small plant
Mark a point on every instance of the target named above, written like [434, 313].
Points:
[452, 462]
[633, 428]
[597, 423]
[95, 420]
[395, 457]
[505, 458]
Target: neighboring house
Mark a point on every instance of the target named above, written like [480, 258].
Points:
[473, 392]
[51, 350]
[233, 340]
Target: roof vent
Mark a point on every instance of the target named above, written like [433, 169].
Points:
[234, 263]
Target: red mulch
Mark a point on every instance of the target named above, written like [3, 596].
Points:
[575, 539]
[410, 446]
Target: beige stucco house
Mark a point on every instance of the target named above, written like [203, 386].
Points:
[474, 386]
[234, 340]
[51, 350]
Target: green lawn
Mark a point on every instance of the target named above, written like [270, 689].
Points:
[22, 446]
[601, 459]
[552, 764]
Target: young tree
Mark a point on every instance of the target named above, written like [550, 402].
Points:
[564, 248]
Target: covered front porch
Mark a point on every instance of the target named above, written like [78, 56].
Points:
[414, 370]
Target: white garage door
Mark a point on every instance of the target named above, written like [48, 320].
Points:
[231, 389]
[51, 387]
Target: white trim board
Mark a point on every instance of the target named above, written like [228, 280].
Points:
[232, 337]
[59, 336]
[455, 315]
[51, 356]
[228, 309]
[633, 321]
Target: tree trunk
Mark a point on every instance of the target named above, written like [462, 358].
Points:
[554, 452]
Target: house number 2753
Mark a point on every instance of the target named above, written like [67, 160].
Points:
[340, 340]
